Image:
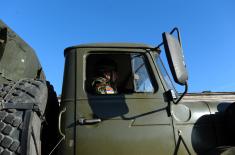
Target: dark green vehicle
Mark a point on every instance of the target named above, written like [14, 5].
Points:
[146, 116]
[143, 116]
[26, 99]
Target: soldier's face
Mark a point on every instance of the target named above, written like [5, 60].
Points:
[107, 75]
[110, 75]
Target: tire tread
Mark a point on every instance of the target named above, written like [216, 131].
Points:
[12, 123]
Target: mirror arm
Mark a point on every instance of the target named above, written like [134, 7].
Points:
[178, 34]
[172, 31]
[185, 91]
[158, 46]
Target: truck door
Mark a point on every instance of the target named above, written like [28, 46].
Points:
[134, 121]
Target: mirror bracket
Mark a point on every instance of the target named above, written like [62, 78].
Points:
[172, 31]
[178, 34]
[170, 95]
[184, 93]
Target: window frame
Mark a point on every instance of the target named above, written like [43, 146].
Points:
[149, 69]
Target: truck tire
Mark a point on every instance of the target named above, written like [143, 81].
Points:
[22, 108]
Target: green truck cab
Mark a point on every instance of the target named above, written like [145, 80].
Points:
[146, 116]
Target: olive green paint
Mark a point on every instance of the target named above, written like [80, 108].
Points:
[137, 123]
[140, 123]
[17, 59]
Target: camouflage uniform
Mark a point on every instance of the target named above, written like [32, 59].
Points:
[103, 86]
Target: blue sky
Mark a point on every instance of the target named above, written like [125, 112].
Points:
[207, 31]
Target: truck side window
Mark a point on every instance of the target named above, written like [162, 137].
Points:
[142, 82]
[131, 74]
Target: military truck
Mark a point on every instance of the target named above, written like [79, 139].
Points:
[147, 116]
[25, 127]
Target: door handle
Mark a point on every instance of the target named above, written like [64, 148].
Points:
[84, 121]
[59, 122]
[59, 128]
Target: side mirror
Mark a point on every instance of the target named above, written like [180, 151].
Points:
[175, 57]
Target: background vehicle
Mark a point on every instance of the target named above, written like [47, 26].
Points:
[26, 99]
[147, 116]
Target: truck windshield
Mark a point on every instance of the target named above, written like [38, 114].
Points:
[142, 81]
[165, 74]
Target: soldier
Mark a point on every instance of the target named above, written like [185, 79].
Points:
[105, 82]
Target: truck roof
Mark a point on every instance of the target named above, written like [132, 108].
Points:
[111, 45]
